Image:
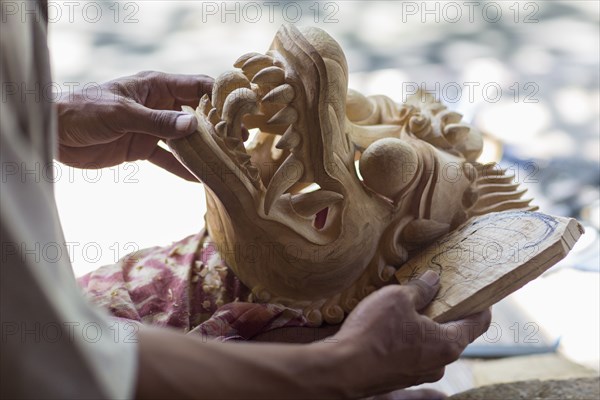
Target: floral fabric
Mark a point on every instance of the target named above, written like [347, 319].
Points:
[185, 286]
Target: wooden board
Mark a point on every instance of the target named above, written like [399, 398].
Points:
[489, 257]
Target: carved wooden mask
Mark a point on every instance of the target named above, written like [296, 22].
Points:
[337, 190]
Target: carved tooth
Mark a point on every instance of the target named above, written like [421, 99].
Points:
[289, 140]
[242, 157]
[188, 109]
[275, 152]
[286, 116]
[308, 204]
[287, 174]
[221, 128]
[239, 103]
[224, 85]
[205, 104]
[283, 94]
[456, 133]
[242, 60]
[420, 126]
[451, 117]
[270, 76]
[213, 116]
[197, 112]
[253, 172]
[255, 64]
[232, 142]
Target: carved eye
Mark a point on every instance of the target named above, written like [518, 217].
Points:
[388, 166]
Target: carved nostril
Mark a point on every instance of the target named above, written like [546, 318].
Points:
[321, 218]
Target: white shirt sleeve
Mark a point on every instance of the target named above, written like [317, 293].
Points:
[53, 343]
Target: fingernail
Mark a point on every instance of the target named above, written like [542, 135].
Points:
[185, 123]
[430, 278]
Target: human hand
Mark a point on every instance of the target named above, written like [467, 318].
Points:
[125, 119]
[387, 344]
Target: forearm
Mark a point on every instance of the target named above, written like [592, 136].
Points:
[175, 366]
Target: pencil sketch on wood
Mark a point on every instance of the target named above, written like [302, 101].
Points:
[490, 257]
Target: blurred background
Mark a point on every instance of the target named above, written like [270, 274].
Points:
[525, 72]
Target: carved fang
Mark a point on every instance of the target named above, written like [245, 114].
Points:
[289, 140]
[286, 116]
[221, 129]
[242, 60]
[287, 174]
[205, 105]
[232, 142]
[224, 85]
[242, 157]
[213, 116]
[255, 64]
[188, 109]
[451, 117]
[270, 76]
[283, 94]
[239, 103]
[308, 204]
[254, 173]
[456, 133]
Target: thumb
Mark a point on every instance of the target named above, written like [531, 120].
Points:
[161, 123]
[423, 289]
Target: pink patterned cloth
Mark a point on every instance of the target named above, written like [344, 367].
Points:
[185, 286]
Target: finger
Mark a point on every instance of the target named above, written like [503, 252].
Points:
[412, 394]
[423, 289]
[185, 88]
[297, 334]
[176, 89]
[89, 157]
[160, 123]
[432, 377]
[468, 329]
[168, 162]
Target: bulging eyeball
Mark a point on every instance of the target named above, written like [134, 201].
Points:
[388, 165]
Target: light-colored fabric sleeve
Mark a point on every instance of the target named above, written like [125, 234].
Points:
[54, 344]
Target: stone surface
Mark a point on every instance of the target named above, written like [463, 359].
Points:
[527, 368]
[580, 389]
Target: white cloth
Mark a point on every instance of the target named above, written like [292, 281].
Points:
[53, 343]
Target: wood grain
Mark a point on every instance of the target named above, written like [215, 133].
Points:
[489, 257]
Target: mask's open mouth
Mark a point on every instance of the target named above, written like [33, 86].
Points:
[283, 93]
[319, 237]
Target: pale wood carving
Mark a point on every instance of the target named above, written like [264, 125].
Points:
[290, 212]
[489, 257]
